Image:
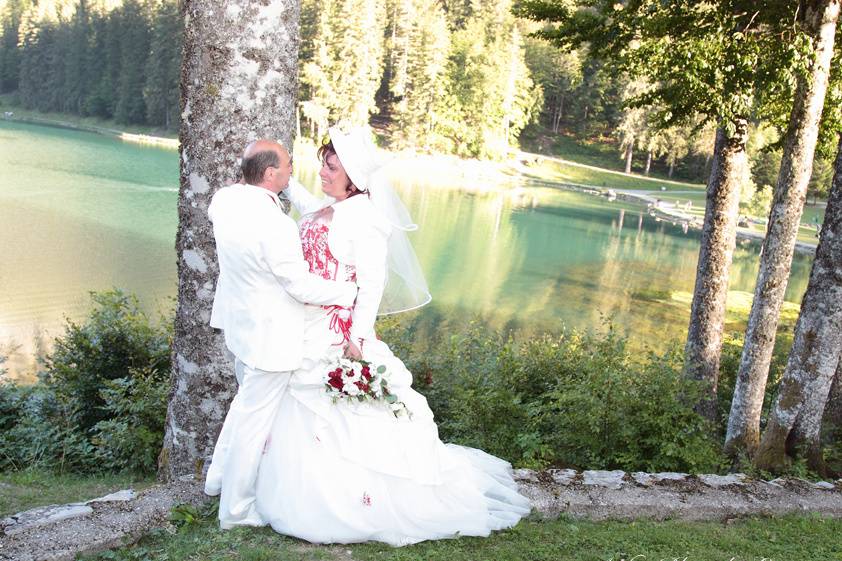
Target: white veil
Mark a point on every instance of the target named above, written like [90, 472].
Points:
[406, 289]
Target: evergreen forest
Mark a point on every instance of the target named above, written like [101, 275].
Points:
[464, 77]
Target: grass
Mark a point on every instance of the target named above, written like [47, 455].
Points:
[22, 490]
[782, 539]
[9, 103]
[573, 172]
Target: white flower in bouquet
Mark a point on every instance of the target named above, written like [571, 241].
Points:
[352, 389]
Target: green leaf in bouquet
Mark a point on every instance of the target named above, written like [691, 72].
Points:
[381, 369]
[391, 399]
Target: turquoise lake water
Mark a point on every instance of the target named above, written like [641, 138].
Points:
[82, 212]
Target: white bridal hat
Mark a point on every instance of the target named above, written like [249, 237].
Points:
[406, 289]
[356, 150]
[365, 164]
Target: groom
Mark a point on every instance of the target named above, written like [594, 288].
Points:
[259, 304]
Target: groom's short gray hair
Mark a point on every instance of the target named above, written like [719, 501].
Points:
[254, 166]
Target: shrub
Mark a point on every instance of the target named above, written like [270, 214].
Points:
[578, 399]
[100, 403]
[116, 340]
[130, 439]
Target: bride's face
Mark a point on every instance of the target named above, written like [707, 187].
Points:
[335, 181]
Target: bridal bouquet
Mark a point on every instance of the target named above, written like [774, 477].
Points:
[354, 380]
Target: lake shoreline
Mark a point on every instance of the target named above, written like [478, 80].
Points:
[479, 172]
[654, 209]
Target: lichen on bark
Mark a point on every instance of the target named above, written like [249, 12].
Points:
[794, 421]
[719, 235]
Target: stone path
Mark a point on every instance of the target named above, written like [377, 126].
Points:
[602, 495]
[60, 532]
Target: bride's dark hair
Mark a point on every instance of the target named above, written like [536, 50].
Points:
[326, 150]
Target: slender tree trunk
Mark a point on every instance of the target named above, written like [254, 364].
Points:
[648, 162]
[239, 80]
[784, 219]
[559, 113]
[808, 426]
[833, 411]
[817, 346]
[719, 235]
[672, 168]
[628, 157]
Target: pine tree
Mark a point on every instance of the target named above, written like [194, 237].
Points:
[317, 62]
[10, 53]
[417, 82]
[557, 73]
[77, 78]
[163, 68]
[99, 96]
[358, 60]
[490, 95]
[134, 53]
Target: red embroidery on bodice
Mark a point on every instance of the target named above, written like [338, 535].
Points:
[313, 231]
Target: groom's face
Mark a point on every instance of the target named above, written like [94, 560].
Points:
[281, 174]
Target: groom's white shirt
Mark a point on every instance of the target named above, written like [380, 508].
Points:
[263, 279]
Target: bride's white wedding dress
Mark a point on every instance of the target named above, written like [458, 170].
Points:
[341, 473]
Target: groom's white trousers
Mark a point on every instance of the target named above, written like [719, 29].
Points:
[241, 443]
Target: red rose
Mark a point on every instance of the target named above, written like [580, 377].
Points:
[336, 383]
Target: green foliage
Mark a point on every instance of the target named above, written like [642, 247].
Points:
[723, 61]
[116, 340]
[579, 399]
[343, 63]
[130, 438]
[100, 403]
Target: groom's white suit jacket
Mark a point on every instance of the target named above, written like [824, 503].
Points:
[263, 279]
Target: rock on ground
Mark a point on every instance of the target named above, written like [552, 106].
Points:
[61, 532]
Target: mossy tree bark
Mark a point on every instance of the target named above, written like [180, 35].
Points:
[239, 79]
[776, 257]
[719, 235]
[795, 419]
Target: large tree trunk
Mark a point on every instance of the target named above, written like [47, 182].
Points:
[816, 348]
[719, 235]
[784, 219]
[239, 80]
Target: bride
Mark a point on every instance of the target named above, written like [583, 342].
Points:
[343, 472]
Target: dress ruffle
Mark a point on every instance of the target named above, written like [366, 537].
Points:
[343, 473]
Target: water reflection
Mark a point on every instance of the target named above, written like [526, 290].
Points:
[103, 215]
